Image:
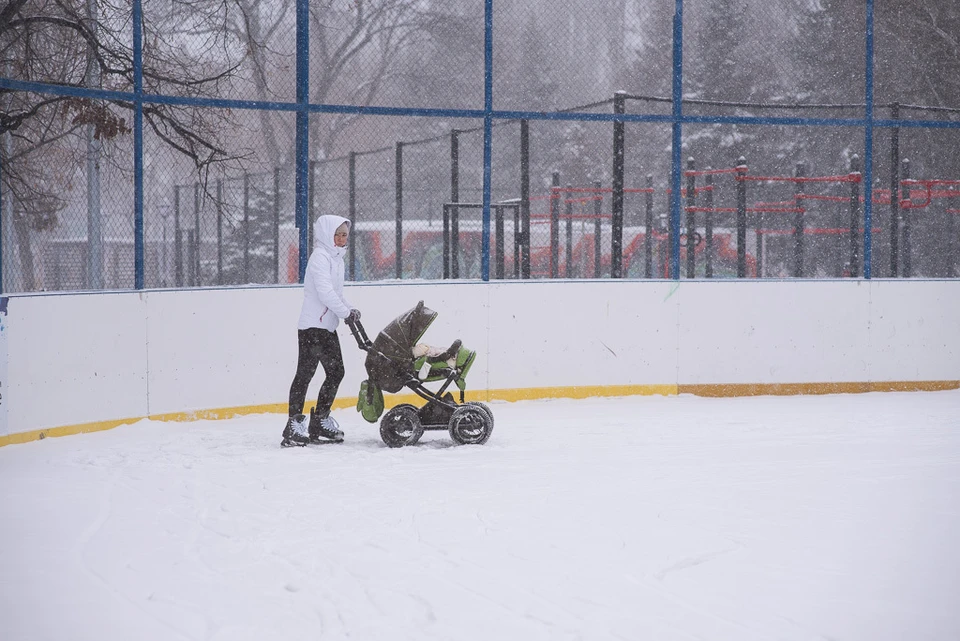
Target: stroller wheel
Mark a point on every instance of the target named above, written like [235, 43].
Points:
[401, 426]
[486, 409]
[471, 424]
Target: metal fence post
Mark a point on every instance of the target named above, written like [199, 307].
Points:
[741, 217]
[568, 228]
[708, 231]
[648, 233]
[219, 232]
[276, 225]
[399, 209]
[524, 199]
[454, 242]
[855, 239]
[895, 193]
[554, 224]
[498, 247]
[799, 222]
[616, 200]
[597, 229]
[177, 239]
[446, 241]
[691, 218]
[352, 191]
[454, 195]
[246, 229]
[196, 235]
[907, 223]
[312, 204]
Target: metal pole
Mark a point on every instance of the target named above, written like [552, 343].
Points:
[303, 129]
[855, 217]
[353, 214]
[676, 162]
[399, 209]
[799, 222]
[597, 229]
[525, 198]
[907, 223]
[312, 189]
[895, 193]
[616, 199]
[758, 239]
[219, 232]
[951, 244]
[691, 218]
[499, 243]
[446, 242]
[868, 150]
[276, 225]
[454, 188]
[177, 239]
[192, 256]
[517, 243]
[138, 248]
[648, 234]
[94, 213]
[554, 224]
[196, 234]
[741, 218]
[454, 242]
[246, 229]
[568, 241]
[3, 228]
[487, 136]
[708, 232]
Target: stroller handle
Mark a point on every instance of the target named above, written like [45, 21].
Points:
[363, 341]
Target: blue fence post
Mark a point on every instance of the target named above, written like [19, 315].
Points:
[676, 163]
[303, 130]
[868, 152]
[3, 235]
[138, 261]
[487, 135]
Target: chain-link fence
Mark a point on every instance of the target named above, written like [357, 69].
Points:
[477, 139]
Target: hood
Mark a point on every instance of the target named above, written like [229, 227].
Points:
[323, 231]
[398, 338]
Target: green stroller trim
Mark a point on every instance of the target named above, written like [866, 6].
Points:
[439, 370]
[370, 401]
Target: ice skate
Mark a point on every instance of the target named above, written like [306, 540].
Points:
[295, 434]
[324, 429]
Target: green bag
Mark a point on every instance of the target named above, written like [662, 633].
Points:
[370, 401]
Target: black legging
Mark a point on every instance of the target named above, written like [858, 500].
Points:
[316, 346]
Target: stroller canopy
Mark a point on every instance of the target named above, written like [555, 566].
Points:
[390, 363]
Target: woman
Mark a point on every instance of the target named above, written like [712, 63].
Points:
[323, 307]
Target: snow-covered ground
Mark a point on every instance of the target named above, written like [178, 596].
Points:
[661, 518]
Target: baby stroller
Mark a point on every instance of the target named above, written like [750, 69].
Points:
[396, 360]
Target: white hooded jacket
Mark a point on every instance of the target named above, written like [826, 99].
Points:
[323, 301]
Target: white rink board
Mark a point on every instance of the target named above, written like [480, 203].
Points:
[774, 332]
[75, 359]
[582, 333]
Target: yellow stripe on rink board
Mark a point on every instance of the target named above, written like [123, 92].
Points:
[512, 395]
[580, 391]
[66, 430]
[799, 389]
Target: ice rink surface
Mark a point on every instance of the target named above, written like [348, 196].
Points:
[646, 518]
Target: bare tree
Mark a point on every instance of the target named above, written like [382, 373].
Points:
[51, 41]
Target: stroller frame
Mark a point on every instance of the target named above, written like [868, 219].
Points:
[469, 422]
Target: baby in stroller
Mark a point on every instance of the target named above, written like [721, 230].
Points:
[396, 359]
